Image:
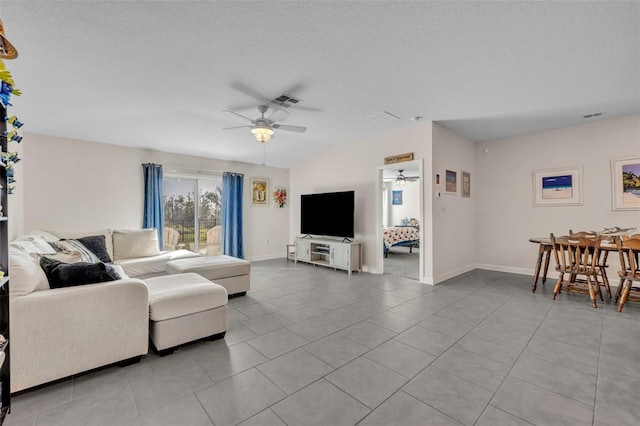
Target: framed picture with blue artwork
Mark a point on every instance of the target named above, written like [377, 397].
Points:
[396, 197]
[558, 187]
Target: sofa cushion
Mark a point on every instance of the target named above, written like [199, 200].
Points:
[26, 274]
[97, 245]
[34, 244]
[80, 234]
[131, 243]
[211, 267]
[62, 274]
[46, 236]
[175, 296]
[71, 246]
[144, 266]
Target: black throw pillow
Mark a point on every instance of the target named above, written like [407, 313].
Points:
[96, 244]
[62, 274]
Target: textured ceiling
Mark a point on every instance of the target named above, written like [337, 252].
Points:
[157, 74]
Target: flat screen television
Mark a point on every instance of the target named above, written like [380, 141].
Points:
[328, 214]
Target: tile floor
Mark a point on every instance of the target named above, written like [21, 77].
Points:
[313, 346]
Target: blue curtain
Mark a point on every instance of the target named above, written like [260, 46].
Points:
[153, 216]
[232, 215]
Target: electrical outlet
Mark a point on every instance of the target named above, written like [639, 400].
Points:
[266, 242]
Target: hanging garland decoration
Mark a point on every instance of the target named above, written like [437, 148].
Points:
[12, 124]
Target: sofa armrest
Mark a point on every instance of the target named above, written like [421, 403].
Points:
[60, 332]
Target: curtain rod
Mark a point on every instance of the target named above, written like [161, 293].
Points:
[170, 170]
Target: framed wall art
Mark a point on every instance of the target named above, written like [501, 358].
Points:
[280, 197]
[259, 192]
[436, 179]
[450, 182]
[466, 184]
[396, 198]
[625, 183]
[558, 187]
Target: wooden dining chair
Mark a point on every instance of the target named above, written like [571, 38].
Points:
[577, 257]
[629, 251]
[602, 261]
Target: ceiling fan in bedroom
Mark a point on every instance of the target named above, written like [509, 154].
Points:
[263, 128]
[401, 179]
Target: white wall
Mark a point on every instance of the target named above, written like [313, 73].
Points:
[410, 207]
[353, 166]
[454, 217]
[73, 184]
[506, 217]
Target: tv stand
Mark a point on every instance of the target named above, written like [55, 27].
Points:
[331, 253]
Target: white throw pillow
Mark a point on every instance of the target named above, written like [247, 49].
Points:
[25, 246]
[130, 243]
[47, 236]
[26, 274]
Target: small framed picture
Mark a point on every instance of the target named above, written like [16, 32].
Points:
[259, 192]
[451, 182]
[436, 179]
[558, 187]
[466, 184]
[280, 197]
[396, 197]
[625, 183]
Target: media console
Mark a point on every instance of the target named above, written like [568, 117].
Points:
[330, 253]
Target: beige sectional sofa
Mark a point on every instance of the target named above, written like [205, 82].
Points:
[59, 332]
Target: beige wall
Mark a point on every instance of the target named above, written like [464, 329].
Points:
[353, 166]
[454, 217]
[410, 207]
[506, 217]
[73, 184]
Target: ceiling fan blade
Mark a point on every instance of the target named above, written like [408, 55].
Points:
[288, 128]
[277, 115]
[239, 115]
[252, 93]
[237, 127]
[412, 178]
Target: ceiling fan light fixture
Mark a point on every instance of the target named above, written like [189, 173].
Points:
[401, 180]
[262, 134]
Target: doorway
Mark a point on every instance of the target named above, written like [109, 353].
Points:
[400, 215]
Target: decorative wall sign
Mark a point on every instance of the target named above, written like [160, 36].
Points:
[400, 158]
[451, 182]
[396, 197]
[280, 197]
[259, 192]
[558, 187]
[466, 184]
[625, 183]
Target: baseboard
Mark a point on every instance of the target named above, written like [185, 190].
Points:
[448, 275]
[370, 270]
[509, 269]
[266, 257]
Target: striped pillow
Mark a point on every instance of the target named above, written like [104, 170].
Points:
[71, 246]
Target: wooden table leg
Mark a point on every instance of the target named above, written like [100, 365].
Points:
[546, 264]
[541, 251]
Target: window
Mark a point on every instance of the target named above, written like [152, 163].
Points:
[193, 217]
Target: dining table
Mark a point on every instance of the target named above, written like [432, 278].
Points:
[544, 251]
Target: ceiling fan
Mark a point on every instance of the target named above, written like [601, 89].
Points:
[263, 127]
[401, 179]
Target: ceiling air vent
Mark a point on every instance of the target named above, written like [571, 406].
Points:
[285, 100]
[381, 118]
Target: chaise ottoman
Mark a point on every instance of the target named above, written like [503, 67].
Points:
[230, 272]
[184, 308]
